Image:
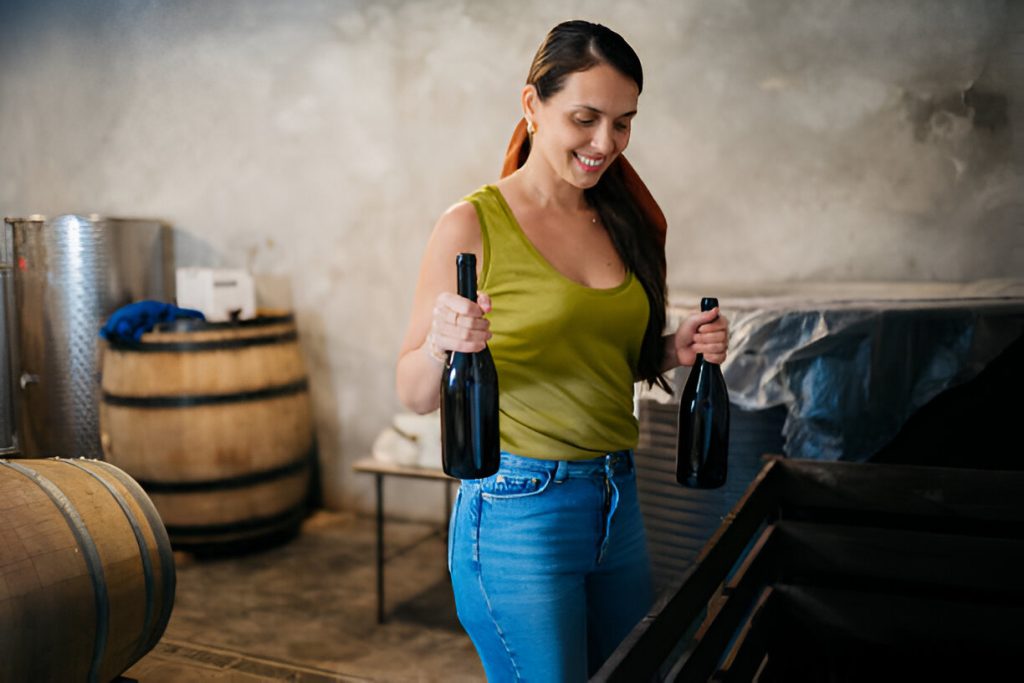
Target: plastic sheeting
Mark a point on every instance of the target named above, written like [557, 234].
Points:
[851, 363]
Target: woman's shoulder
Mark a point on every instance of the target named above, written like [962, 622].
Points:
[464, 221]
[459, 216]
[459, 225]
[464, 215]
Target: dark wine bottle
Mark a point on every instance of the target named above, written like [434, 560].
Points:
[470, 447]
[702, 450]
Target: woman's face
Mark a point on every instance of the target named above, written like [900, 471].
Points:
[583, 127]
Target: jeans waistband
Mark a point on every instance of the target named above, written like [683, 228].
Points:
[617, 462]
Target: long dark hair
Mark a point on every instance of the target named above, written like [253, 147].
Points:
[575, 46]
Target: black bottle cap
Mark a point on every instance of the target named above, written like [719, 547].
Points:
[708, 303]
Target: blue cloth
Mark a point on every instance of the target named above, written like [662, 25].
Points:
[129, 323]
[544, 592]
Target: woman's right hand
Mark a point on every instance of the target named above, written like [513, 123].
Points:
[458, 324]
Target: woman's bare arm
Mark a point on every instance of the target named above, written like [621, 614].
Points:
[434, 326]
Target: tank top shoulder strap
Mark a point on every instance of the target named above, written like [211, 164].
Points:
[497, 231]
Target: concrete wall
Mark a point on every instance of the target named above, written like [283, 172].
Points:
[316, 142]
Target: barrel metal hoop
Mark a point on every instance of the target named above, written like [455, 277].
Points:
[293, 513]
[163, 544]
[91, 556]
[197, 325]
[189, 401]
[212, 345]
[147, 561]
[241, 481]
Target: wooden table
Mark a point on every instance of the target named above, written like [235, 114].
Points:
[385, 469]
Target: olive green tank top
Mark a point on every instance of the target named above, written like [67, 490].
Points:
[566, 354]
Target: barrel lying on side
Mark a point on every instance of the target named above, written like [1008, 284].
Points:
[86, 571]
[214, 421]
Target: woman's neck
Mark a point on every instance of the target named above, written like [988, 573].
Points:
[546, 190]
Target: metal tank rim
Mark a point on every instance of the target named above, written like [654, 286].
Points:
[91, 217]
[33, 218]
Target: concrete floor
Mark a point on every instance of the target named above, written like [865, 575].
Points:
[306, 611]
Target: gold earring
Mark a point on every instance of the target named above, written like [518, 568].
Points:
[530, 128]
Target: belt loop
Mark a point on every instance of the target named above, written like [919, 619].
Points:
[561, 471]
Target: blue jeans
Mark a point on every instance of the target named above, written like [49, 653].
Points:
[549, 565]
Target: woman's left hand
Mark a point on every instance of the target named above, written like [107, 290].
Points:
[704, 333]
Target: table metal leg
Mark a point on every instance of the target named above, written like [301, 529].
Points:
[380, 548]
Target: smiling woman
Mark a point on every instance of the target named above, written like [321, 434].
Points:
[548, 557]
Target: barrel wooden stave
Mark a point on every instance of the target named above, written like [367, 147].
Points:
[50, 616]
[203, 443]
[44, 582]
[225, 506]
[140, 372]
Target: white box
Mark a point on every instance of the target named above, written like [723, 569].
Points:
[220, 293]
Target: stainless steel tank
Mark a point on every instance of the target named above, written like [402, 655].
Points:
[7, 442]
[70, 273]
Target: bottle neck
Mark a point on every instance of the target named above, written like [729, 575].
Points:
[707, 303]
[467, 277]
[467, 287]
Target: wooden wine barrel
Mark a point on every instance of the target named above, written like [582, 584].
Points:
[214, 421]
[86, 571]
